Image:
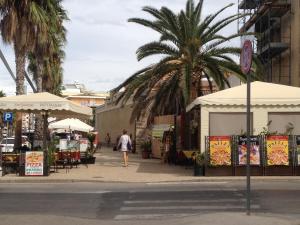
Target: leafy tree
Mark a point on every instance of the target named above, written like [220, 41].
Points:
[191, 48]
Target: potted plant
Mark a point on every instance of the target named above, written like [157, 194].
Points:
[199, 164]
[90, 159]
[146, 149]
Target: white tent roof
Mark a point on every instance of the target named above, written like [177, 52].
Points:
[262, 93]
[44, 102]
[71, 124]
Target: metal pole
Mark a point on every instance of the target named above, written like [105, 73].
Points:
[45, 147]
[248, 142]
[1, 164]
[12, 74]
[7, 129]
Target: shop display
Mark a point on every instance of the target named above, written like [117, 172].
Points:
[83, 144]
[220, 150]
[277, 150]
[254, 150]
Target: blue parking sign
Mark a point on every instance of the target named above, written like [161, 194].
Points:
[8, 117]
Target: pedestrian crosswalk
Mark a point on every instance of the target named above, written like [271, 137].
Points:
[174, 205]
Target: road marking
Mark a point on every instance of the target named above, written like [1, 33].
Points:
[238, 194]
[151, 216]
[183, 201]
[198, 207]
[187, 182]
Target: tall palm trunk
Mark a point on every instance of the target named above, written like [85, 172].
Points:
[20, 72]
[38, 126]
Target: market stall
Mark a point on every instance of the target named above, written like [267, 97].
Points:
[275, 109]
[75, 146]
[45, 104]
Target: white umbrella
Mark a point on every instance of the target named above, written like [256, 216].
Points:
[44, 102]
[71, 124]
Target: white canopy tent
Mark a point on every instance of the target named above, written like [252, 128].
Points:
[44, 102]
[224, 112]
[71, 124]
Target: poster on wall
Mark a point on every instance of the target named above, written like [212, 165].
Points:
[254, 150]
[277, 150]
[34, 163]
[83, 144]
[298, 150]
[158, 130]
[220, 150]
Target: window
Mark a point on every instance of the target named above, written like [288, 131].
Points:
[227, 124]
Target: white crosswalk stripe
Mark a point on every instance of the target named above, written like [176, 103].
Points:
[150, 216]
[183, 201]
[137, 209]
[201, 207]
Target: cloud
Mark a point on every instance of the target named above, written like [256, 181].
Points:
[89, 20]
[101, 43]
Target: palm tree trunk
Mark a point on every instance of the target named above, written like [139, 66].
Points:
[20, 71]
[39, 77]
[38, 126]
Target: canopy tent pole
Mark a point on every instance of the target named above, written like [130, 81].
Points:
[45, 147]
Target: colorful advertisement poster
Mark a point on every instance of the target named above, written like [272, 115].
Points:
[220, 150]
[34, 163]
[277, 150]
[254, 150]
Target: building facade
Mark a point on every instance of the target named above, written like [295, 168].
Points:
[77, 93]
[277, 43]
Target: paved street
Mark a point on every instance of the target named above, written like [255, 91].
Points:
[108, 168]
[146, 203]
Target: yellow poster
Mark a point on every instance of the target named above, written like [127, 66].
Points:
[277, 150]
[220, 150]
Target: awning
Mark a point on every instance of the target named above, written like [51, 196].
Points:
[262, 93]
[71, 124]
[37, 102]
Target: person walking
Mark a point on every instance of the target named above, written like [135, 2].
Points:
[125, 146]
[107, 139]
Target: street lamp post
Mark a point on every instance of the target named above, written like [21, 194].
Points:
[246, 62]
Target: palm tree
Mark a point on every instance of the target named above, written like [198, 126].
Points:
[2, 94]
[51, 81]
[49, 42]
[45, 60]
[191, 49]
[20, 20]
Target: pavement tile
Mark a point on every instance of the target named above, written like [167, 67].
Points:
[108, 168]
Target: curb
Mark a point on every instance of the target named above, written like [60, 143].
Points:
[204, 179]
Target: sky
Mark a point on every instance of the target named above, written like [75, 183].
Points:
[100, 52]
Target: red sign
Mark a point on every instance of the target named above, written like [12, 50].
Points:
[246, 57]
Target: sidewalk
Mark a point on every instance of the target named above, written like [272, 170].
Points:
[108, 168]
[213, 219]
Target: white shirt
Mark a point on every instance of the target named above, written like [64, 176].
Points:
[124, 139]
